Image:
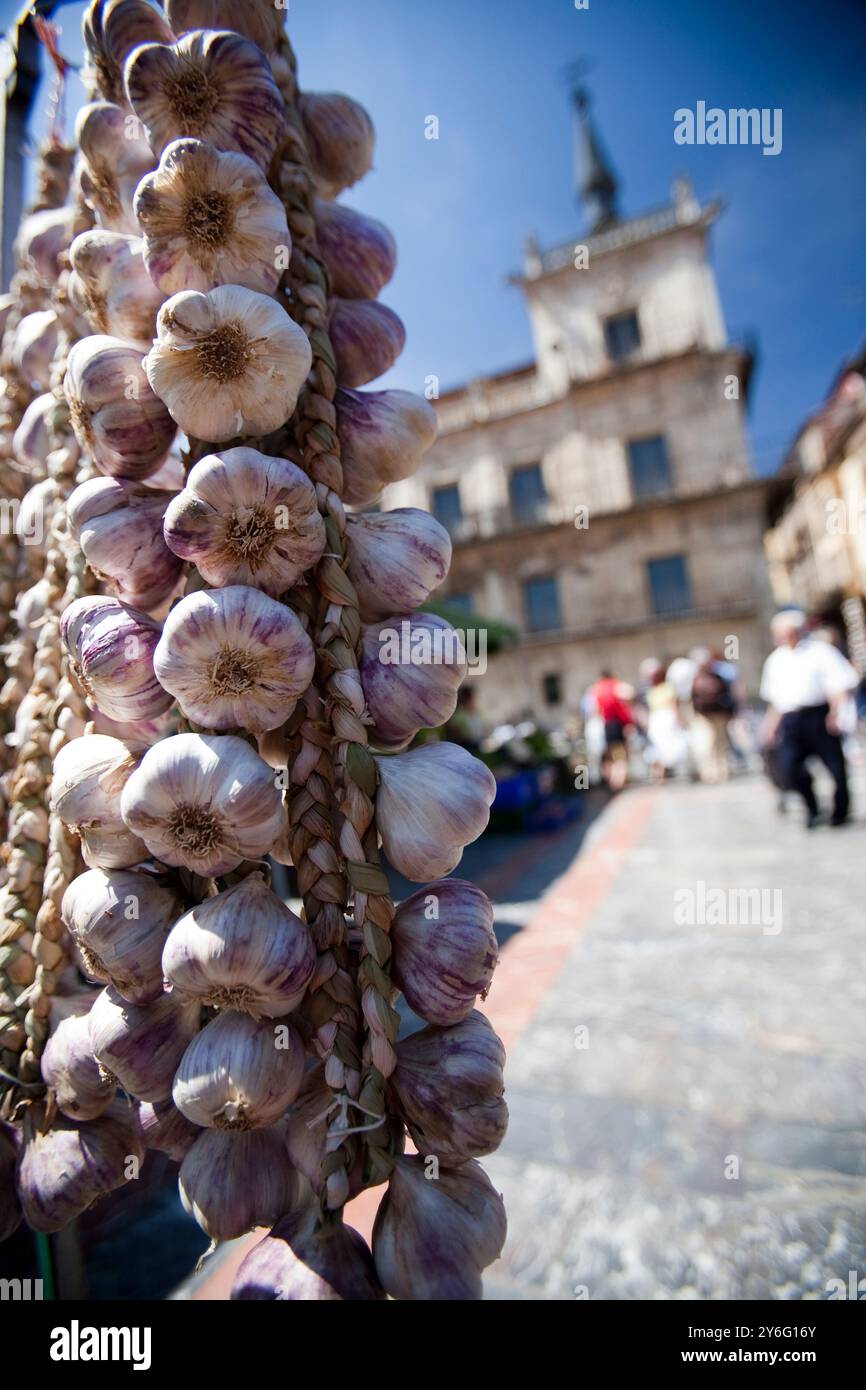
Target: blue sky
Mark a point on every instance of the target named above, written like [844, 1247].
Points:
[789, 250]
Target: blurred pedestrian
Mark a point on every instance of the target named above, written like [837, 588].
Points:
[667, 747]
[612, 700]
[806, 684]
[713, 707]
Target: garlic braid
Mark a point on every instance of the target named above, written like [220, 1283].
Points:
[337, 639]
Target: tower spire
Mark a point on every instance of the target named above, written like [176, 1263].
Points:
[596, 182]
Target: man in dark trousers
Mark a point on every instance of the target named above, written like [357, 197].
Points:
[805, 682]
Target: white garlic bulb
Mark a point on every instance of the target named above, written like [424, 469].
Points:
[34, 344]
[204, 802]
[110, 286]
[247, 518]
[119, 921]
[242, 949]
[111, 647]
[210, 218]
[234, 658]
[227, 363]
[114, 158]
[113, 410]
[89, 776]
[239, 1073]
[424, 836]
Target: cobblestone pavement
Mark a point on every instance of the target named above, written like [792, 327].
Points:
[709, 1140]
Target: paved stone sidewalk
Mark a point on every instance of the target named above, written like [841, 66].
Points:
[712, 1050]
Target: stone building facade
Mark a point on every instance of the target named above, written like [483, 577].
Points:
[600, 498]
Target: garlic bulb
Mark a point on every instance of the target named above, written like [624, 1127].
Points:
[113, 411]
[204, 803]
[10, 1207]
[89, 776]
[239, 1073]
[367, 338]
[444, 949]
[30, 608]
[359, 252]
[65, 1169]
[242, 949]
[119, 920]
[433, 1237]
[233, 1182]
[396, 560]
[43, 237]
[213, 85]
[261, 21]
[33, 347]
[383, 435]
[227, 363]
[422, 837]
[110, 286]
[164, 1128]
[115, 158]
[37, 513]
[71, 1072]
[140, 1045]
[111, 648]
[31, 442]
[340, 139]
[245, 518]
[306, 1260]
[209, 218]
[410, 669]
[448, 1087]
[234, 658]
[111, 29]
[118, 525]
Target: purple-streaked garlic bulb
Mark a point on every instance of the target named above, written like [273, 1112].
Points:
[208, 217]
[140, 1045]
[204, 803]
[247, 518]
[396, 560]
[231, 1182]
[234, 658]
[444, 949]
[34, 344]
[305, 1259]
[31, 442]
[63, 1170]
[111, 30]
[114, 158]
[424, 835]
[433, 1237]
[113, 411]
[261, 21]
[359, 252]
[118, 525]
[119, 921]
[43, 237]
[111, 649]
[211, 84]
[448, 1087]
[383, 436]
[89, 776]
[367, 338]
[165, 1129]
[340, 140]
[242, 949]
[109, 285]
[411, 667]
[72, 1073]
[239, 1073]
[227, 363]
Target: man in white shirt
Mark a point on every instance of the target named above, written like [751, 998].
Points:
[805, 682]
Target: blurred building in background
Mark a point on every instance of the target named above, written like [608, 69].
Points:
[816, 543]
[601, 497]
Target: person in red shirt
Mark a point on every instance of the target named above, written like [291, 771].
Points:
[612, 700]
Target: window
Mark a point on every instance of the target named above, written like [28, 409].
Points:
[649, 466]
[541, 601]
[528, 497]
[670, 590]
[551, 686]
[463, 601]
[622, 336]
[446, 506]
